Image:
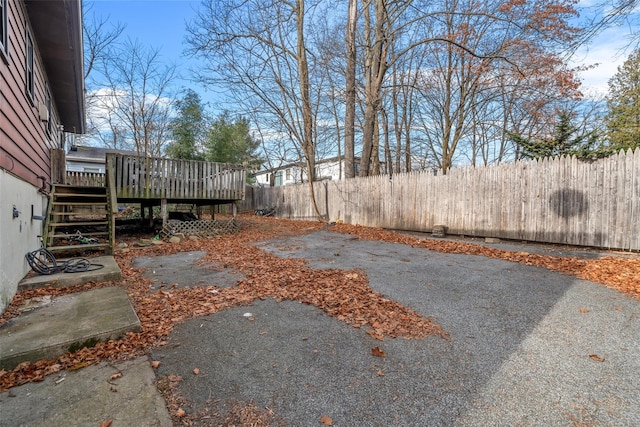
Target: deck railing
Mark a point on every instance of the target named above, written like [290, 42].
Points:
[85, 179]
[137, 177]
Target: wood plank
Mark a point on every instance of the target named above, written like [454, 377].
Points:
[78, 247]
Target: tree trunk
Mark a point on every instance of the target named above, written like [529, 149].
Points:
[308, 144]
[375, 69]
[350, 107]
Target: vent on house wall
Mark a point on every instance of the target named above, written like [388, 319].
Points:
[43, 111]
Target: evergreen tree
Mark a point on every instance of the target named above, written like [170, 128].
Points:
[567, 140]
[188, 129]
[230, 141]
[623, 119]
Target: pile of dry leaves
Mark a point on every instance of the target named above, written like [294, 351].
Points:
[344, 294]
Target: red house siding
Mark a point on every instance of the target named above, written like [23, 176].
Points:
[24, 141]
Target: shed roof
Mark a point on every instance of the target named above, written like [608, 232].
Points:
[83, 153]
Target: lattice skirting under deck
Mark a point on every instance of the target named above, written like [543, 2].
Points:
[200, 228]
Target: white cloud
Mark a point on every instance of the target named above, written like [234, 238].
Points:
[608, 50]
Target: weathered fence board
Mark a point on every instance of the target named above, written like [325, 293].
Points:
[560, 200]
[85, 179]
[157, 178]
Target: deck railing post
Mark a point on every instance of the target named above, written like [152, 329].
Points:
[163, 210]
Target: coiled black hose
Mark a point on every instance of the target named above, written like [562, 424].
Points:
[43, 262]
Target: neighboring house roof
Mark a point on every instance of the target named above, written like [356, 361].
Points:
[57, 28]
[81, 153]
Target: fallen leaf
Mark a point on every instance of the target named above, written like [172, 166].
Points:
[196, 371]
[378, 352]
[79, 366]
[380, 373]
[375, 334]
[326, 420]
[174, 378]
[115, 376]
[155, 364]
[583, 310]
[180, 413]
[596, 358]
[106, 423]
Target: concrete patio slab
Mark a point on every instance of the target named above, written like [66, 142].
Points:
[88, 397]
[67, 322]
[110, 272]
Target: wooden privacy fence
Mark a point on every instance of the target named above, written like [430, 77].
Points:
[156, 178]
[560, 200]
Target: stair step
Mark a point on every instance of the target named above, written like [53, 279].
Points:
[78, 195]
[79, 187]
[96, 233]
[78, 247]
[78, 213]
[96, 203]
[76, 223]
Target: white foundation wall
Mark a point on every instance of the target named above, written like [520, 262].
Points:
[17, 235]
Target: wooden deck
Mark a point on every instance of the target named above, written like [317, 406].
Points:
[135, 179]
[147, 181]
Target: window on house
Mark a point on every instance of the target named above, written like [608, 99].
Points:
[288, 174]
[29, 66]
[4, 30]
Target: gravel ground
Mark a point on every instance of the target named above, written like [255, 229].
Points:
[527, 347]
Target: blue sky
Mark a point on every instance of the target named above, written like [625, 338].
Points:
[159, 24]
[162, 24]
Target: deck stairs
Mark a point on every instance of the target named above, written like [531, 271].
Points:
[78, 220]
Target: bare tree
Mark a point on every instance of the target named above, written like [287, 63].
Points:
[137, 98]
[606, 14]
[470, 38]
[100, 38]
[426, 82]
[258, 49]
[350, 112]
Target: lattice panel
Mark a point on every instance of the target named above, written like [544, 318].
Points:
[200, 228]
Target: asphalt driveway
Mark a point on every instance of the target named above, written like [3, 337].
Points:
[526, 347]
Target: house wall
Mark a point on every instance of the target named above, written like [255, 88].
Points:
[25, 145]
[294, 174]
[18, 235]
[78, 166]
[330, 170]
[25, 139]
[282, 177]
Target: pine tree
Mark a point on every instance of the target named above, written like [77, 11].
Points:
[230, 141]
[567, 140]
[188, 128]
[623, 119]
